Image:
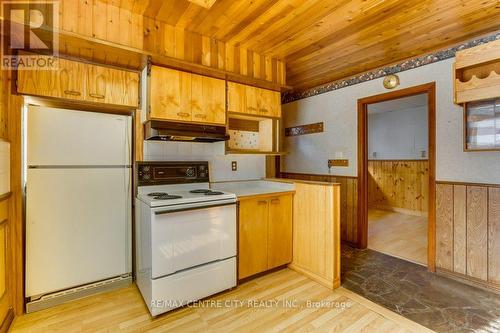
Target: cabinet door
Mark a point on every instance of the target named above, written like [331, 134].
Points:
[272, 103]
[112, 86]
[65, 82]
[170, 94]
[208, 100]
[236, 97]
[71, 79]
[280, 231]
[252, 100]
[269, 103]
[252, 246]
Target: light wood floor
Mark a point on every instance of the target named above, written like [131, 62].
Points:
[399, 235]
[124, 311]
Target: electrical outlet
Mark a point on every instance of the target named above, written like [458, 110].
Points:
[234, 166]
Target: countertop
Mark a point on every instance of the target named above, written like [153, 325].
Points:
[250, 188]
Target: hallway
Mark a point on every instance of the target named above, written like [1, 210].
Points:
[398, 235]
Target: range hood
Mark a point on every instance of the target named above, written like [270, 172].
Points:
[172, 131]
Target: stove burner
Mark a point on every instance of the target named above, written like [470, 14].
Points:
[203, 191]
[167, 197]
[214, 193]
[156, 194]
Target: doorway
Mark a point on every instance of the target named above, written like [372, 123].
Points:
[375, 220]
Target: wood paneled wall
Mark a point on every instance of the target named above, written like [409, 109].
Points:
[468, 231]
[110, 23]
[399, 184]
[348, 201]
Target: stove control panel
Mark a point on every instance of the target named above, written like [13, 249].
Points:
[159, 173]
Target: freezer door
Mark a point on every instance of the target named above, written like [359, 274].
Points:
[78, 227]
[67, 137]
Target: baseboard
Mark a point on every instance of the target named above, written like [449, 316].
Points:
[469, 280]
[64, 296]
[399, 210]
[315, 277]
[7, 321]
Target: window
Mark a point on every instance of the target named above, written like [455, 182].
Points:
[482, 125]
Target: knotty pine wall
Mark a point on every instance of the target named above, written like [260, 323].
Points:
[348, 201]
[103, 21]
[399, 184]
[468, 232]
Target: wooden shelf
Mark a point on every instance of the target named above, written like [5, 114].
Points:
[253, 135]
[477, 73]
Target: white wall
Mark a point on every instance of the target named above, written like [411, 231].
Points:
[249, 166]
[338, 110]
[398, 135]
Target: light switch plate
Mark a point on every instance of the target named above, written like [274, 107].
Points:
[234, 166]
[338, 163]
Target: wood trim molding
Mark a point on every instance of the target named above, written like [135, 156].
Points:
[447, 182]
[430, 89]
[292, 174]
[7, 321]
[5, 196]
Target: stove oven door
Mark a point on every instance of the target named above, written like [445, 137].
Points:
[190, 238]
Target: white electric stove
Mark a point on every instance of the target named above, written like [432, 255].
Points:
[185, 235]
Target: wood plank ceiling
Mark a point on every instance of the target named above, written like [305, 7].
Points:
[326, 40]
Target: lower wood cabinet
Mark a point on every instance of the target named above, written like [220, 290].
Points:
[265, 234]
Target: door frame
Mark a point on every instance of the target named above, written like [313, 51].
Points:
[430, 90]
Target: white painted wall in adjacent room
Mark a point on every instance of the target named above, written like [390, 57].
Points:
[250, 167]
[398, 135]
[338, 110]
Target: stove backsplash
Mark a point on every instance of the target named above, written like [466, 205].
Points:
[250, 167]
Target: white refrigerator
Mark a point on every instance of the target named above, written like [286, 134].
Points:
[78, 201]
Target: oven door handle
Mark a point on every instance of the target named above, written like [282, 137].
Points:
[192, 208]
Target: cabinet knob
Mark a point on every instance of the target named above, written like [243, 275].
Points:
[72, 92]
[275, 201]
[264, 110]
[262, 202]
[183, 114]
[251, 108]
[199, 115]
[98, 96]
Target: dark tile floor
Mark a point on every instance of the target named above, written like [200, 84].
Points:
[441, 304]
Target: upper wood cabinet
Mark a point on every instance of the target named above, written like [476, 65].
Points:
[83, 82]
[112, 86]
[253, 101]
[181, 96]
[265, 233]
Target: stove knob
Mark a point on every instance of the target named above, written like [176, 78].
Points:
[190, 172]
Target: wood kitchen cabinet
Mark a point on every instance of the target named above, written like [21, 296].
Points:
[253, 232]
[170, 94]
[112, 86]
[253, 101]
[265, 234]
[186, 97]
[79, 81]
